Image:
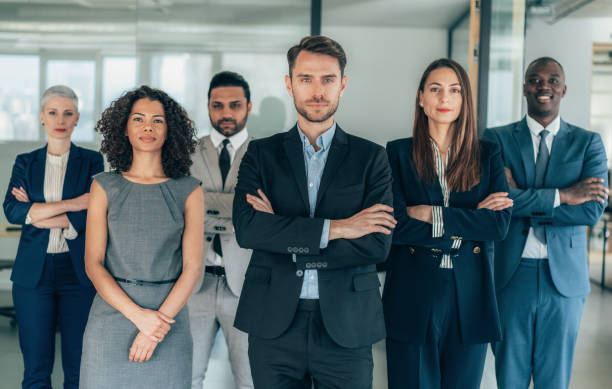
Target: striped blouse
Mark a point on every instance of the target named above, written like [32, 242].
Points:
[55, 171]
[437, 219]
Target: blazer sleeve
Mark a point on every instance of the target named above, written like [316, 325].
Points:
[15, 210]
[264, 231]
[78, 219]
[369, 249]
[408, 231]
[481, 224]
[589, 213]
[529, 201]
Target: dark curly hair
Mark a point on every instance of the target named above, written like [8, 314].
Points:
[180, 139]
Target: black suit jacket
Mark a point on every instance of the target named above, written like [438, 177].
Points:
[356, 176]
[415, 256]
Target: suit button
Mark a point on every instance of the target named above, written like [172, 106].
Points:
[290, 249]
[324, 265]
[306, 250]
[319, 265]
[411, 249]
[208, 238]
[301, 250]
[299, 273]
[476, 250]
[308, 265]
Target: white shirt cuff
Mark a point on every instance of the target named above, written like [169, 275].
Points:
[557, 199]
[70, 233]
[437, 230]
[28, 219]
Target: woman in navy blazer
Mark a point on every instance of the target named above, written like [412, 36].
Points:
[450, 199]
[48, 195]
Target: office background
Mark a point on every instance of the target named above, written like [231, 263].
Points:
[102, 48]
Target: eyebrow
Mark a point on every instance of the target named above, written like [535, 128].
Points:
[437, 83]
[142, 114]
[310, 75]
[230, 102]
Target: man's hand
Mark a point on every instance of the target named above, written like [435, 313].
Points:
[421, 212]
[260, 203]
[377, 218]
[591, 188]
[20, 194]
[496, 201]
[509, 178]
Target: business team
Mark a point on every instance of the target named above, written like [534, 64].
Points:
[485, 239]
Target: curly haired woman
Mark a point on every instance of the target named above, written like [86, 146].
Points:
[143, 246]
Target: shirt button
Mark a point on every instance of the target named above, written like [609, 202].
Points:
[311, 184]
[311, 278]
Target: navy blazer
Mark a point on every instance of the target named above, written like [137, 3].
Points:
[412, 271]
[576, 154]
[29, 173]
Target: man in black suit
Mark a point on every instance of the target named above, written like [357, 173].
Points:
[314, 204]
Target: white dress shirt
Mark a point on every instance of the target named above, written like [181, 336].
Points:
[533, 247]
[236, 141]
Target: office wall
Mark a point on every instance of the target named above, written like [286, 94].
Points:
[570, 41]
[384, 68]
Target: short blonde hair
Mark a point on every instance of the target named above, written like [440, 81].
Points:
[59, 91]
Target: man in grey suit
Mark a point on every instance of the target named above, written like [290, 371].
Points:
[557, 174]
[215, 162]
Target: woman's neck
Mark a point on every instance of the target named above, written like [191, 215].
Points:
[146, 166]
[58, 146]
[442, 135]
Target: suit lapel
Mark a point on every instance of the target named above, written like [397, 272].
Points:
[211, 163]
[561, 143]
[525, 145]
[37, 177]
[295, 153]
[337, 153]
[73, 168]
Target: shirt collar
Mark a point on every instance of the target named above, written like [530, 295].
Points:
[323, 141]
[236, 140]
[535, 128]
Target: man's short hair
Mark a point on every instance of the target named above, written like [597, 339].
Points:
[544, 60]
[318, 44]
[227, 78]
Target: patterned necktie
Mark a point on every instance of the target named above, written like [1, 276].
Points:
[540, 168]
[224, 166]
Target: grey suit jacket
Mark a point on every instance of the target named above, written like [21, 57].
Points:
[576, 154]
[218, 210]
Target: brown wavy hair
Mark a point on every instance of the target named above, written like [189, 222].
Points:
[180, 138]
[463, 166]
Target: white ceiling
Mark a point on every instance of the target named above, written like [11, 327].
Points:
[394, 13]
[594, 9]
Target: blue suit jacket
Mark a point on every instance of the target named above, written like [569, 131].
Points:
[413, 268]
[576, 154]
[29, 172]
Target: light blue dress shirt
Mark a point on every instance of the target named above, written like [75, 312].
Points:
[315, 163]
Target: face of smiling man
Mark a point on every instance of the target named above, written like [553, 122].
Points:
[544, 88]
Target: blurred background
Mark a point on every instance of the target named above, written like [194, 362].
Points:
[102, 48]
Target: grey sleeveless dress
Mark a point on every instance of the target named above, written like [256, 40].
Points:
[145, 229]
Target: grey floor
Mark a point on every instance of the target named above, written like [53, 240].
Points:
[592, 366]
